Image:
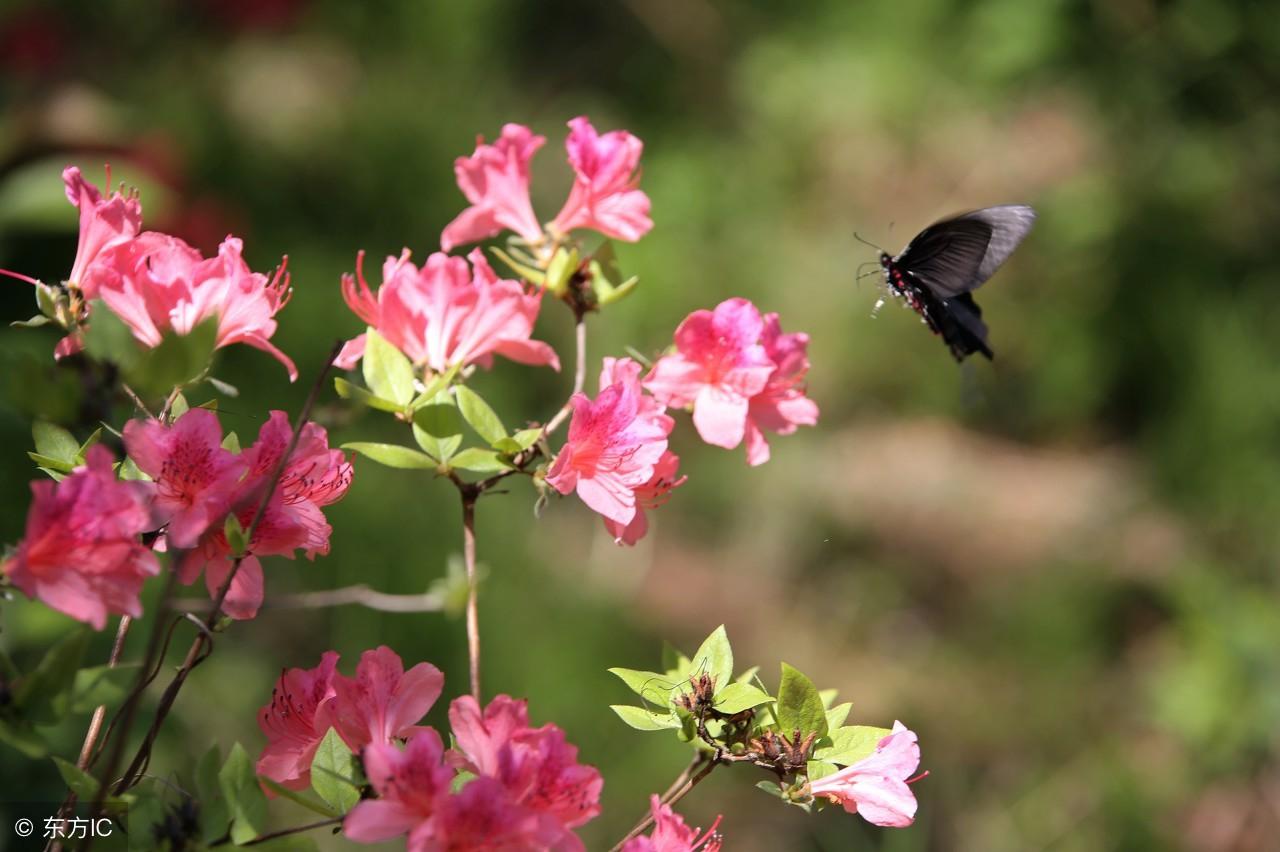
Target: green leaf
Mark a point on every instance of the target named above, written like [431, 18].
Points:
[528, 273]
[177, 361]
[772, 788]
[714, 657]
[674, 663]
[100, 685]
[44, 696]
[851, 744]
[51, 463]
[836, 715]
[245, 800]
[215, 816]
[20, 734]
[477, 460]
[89, 442]
[650, 686]
[231, 442]
[748, 675]
[799, 704]
[77, 780]
[437, 428]
[346, 390]
[816, 769]
[479, 415]
[129, 470]
[737, 697]
[235, 535]
[435, 385]
[562, 266]
[224, 388]
[387, 371]
[178, 407]
[393, 455]
[645, 720]
[54, 442]
[309, 802]
[35, 322]
[522, 440]
[460, 780]
[333, 773]
[108, 339]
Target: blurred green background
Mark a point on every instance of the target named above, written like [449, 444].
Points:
[1058, 568]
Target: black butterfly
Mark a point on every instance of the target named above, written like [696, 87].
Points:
[940, 267]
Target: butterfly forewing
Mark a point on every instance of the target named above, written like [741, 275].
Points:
[947, 255]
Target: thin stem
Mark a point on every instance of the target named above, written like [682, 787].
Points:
[579, 375]
[473, 609]
[359, 594]
[680, 793]
[285, 832]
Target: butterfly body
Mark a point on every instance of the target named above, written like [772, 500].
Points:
[938, 270]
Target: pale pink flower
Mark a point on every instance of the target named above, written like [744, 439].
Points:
[196, 479]
[876, 786]
[447, 313]
[495, 179]
[295, 722]
[782, 405]
[81, 554]
[410, 783]
[718, 366]
[104, 224]
[158, 285]
[613, 445]
[536, 766]
[648, 497]
[383, 701]
[604, 195]
[670, 834]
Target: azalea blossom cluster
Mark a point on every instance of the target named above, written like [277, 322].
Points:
[504, 784]
[83, 555]
[158, 284]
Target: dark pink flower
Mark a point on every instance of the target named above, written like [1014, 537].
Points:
[782, 405]
[196, 479]
[481, 816]
[495, 179]
[447, 313]
[383, 701]
[718, 366]
[81, 554]
[295, 722]
[160, 285]
[104, 224]
[614, 443]
[670, 834]
[536, 766]
[876, 786]
[604, 197]
[410, 784]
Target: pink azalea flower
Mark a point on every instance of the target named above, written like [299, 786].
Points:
[876, 786]
[410, 785]
[294, 722]
[159, 285]
[104, 224]
[495, 179]
[447, 313]
[613, 445]
[481, 816]
[782, 405]
[536, 766]
[670, 834]
[649, 496]
[604, 195]
[383, 701]
[718, 366]
[81, 554]
[195, 478]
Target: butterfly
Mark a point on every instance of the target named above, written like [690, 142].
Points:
[940, 268]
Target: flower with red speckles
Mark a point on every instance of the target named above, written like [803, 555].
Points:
[536, 766]
[648, 497]
[495, 179]
[104, 224]
[876, 786]
[670, 834]
[410, 784]
[604, 197]
[447, 313]
[81, 554]
[383, 701]
[481, 816]
[196, 479]
[157, 284]
[614, 443]
[294, 722]
[782, 405]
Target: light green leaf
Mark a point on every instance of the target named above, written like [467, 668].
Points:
[100, 685]
[437, 428]
[77, 780]
[178, 407]
[333, 773]
[528, 273]
[674, 663]
[435, 385]
[54, 442]
[309, 802]
[477, 460]
[645, 720]
[393, 455]
[771, 787]
[828, 697]
[44, 696]
[214, 814]
[245, 800]
[851, 744]
[816, 769]
[355, 393]
[748, 675]
[52, 463]
[837, 715]
[129, 470]
[479, 415]
[651, 686]
[522, 440]
[231, 443]
[387, 371]
[714, 657]
[737, 697]
[224, 388]
[235, 535]
[799, 705]
[20, 734]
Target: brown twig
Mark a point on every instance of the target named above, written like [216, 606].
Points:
[579, 375]
[469, 495]
[680, 793]
[285, 832]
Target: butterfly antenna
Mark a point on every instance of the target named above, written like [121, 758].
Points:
[859, 238]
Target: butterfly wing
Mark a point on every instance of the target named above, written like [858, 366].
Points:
[959, 254]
